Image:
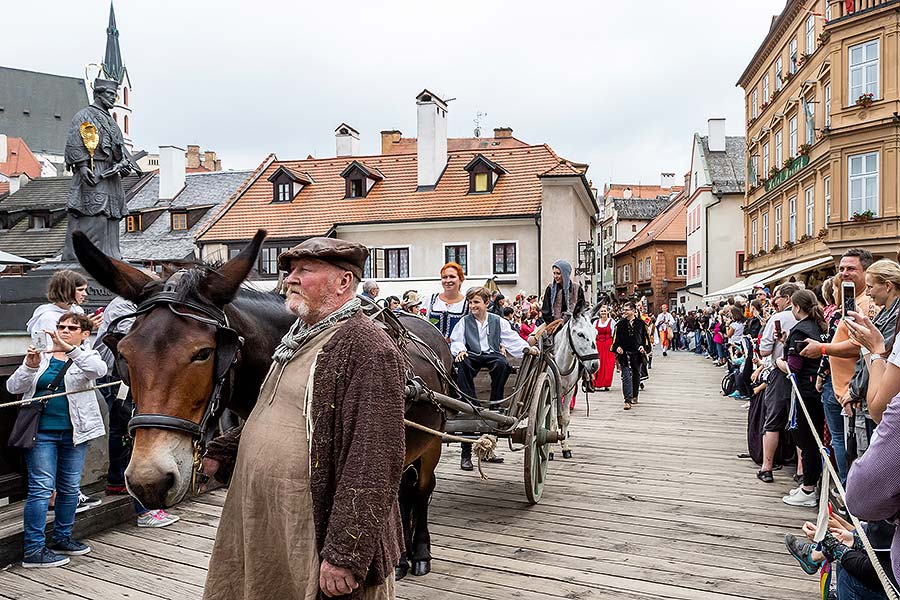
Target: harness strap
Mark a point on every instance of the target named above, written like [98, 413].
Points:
[163, 422]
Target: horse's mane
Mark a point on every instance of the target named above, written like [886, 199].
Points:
[190, 283]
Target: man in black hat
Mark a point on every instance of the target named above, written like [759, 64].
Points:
[312, 507]
[96, 198]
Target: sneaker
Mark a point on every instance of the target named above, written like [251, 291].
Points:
[44, 559]
[116, 490]
[70, 547]
[799, 497]
[156, 518]
[802, 551]
[627, 405]
[86, 502]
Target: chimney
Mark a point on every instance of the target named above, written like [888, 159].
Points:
[193, 157]
[502, 132]
[627, 193]
[17, 181]
[209, 160]
[716, 135]
[171, 170]
[431, 134]
[388, 139]
[667, 180]
[4, 148]
[346, 140]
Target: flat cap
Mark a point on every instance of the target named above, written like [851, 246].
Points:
[346, 255]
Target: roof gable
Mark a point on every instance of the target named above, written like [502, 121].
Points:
[50, 101]
[480, 159]
[20, 159]
[669, 226]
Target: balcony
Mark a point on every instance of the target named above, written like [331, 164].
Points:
[839, 8]
[877, 234]
[787, 172]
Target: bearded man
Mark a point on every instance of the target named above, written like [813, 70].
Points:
[312, 509]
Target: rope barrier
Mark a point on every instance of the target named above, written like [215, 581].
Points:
[483, 447]
[60, 394]
[823, 451]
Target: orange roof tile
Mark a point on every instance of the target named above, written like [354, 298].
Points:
[669, 226]
[20, 159]
[321, 205]
[4, 187]
[408, 145]
[617, 190]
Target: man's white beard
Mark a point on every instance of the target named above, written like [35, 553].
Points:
[307, 313]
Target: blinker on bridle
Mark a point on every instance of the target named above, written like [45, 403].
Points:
[228, 345]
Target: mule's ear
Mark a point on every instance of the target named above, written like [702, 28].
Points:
[221, 285]
[116, 276]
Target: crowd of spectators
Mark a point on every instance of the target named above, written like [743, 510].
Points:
[813, 366]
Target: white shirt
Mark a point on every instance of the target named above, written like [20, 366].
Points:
[509, 339]
[665, 319]
[767, 342]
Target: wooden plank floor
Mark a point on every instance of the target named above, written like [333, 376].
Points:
[655, 504]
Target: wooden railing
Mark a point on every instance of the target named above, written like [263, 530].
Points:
[848, 8]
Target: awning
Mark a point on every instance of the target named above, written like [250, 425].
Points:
[11, 259]
[741, 287]
[799, 268]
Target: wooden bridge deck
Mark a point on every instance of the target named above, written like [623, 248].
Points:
[655, 504]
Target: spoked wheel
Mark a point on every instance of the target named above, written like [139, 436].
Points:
[537, 448]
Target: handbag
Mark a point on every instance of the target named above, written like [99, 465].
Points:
[28, 419]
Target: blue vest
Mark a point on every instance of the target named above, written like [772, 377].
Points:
[473, 340]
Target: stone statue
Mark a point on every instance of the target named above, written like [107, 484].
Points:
[97, 156]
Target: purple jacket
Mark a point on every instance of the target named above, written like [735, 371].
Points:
[873, 486]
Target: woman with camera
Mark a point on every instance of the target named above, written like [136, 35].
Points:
[810, 326]
[55, 433]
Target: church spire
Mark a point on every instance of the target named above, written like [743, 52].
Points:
[113, 67]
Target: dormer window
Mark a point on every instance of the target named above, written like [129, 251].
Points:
[483, 174]
[359, 179]
[133, 223]
[179, 221]
[357, 188]
[39, 222]
[286, 184]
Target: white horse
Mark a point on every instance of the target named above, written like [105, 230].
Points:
[575, 354]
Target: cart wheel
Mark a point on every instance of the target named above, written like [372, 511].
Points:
[537, 449]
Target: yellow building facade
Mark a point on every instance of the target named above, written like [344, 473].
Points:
[822, 104]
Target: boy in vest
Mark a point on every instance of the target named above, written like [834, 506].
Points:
[476, 343]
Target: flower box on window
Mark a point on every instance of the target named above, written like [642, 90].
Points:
[862, 217]
[866, 100]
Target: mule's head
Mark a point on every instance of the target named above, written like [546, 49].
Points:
[584, 339]
[170, 359]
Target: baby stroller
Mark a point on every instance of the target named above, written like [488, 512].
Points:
[733, 365]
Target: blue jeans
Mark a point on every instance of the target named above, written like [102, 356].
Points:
[851, 588]
[698, 337]
[722, 351]
[835, 419]
[54, 463]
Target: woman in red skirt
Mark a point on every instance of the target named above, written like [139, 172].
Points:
[605, 326]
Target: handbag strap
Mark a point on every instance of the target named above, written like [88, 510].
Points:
[54, 385]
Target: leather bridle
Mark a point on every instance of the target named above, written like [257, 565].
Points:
[228, 347]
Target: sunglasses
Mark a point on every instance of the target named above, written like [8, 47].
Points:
[69, 328]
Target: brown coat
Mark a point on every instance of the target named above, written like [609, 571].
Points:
[356, 454]
[357, 450]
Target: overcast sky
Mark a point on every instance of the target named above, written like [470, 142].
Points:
[619, 84]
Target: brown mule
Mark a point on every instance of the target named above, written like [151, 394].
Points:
[171, 354]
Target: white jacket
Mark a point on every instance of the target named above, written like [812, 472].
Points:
[84, 408]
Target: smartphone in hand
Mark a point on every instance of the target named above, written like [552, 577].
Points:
[848, 299]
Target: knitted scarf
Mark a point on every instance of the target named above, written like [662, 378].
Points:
[300, 332]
